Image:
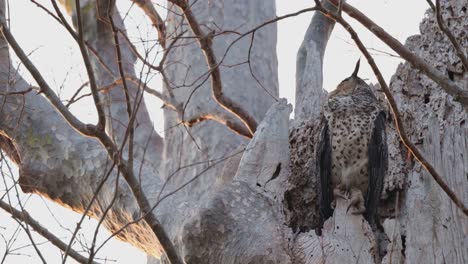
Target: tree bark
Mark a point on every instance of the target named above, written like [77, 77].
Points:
[421, 223]
[220, 197]
[430, 226]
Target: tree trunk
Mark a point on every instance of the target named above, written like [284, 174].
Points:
[422, 225]
[223, 198]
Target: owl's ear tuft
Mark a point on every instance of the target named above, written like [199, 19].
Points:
[356, 69]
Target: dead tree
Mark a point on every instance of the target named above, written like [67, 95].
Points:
[232, 180]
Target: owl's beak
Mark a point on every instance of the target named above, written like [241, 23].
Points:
[356, 69]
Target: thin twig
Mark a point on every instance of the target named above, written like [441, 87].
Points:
[126, 90]
[459, 94]
[92, 252]
[206, 44]
[148, 7]
[112, 150]
[135, 51]
[26, 217]
[168, 101]
[89, 69]
[61, 20]
[26, 226]
[85, 212]
[249, 62]
[23, 92]
[75, 97]
[451, 37]
[393, 105]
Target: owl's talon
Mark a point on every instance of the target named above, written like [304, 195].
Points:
[347, 194]
[359, 210]
[356, 201]
[337, 192]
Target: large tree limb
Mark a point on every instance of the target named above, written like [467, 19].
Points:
[309, 65]
[113, 152]
[76, 165]
[201, 202]
[44, 87]
[99, 39]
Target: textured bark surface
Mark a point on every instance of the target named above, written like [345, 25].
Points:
[205, 207]
[431, 226]
[59, 163]
[224, 199]
[425, 225]
[301, 196]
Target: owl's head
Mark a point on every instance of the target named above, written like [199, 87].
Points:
[350, 84]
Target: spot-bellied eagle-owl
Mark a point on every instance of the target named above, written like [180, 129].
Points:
[352, 152]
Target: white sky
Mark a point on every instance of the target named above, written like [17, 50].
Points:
[55, 55]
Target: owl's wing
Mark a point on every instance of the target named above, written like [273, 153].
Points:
[378, 162]
[324, 168]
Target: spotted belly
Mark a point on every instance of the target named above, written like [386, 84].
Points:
[350, 154]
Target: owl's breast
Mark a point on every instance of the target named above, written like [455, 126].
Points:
[350, 133]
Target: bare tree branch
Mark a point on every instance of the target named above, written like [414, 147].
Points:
[75, 97]
[89, 69]
[61, 20]
[148, 7]
[126, 90]
[25, 217]
[166, 100]
[451, 37]
[206, 44]
[113, 152]
[393, 105]
[44, 87]
[450, 87]
[135, 51]
[429, 2]
[17, 92]
[25, 227]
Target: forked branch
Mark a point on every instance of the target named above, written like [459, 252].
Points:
[206, 44]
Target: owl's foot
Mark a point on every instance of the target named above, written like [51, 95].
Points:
[341, 192]
[357, 201]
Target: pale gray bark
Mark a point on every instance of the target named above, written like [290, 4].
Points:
[206, 217]
[433, 228]
[59, 163]
[248, 201]
[310, 93]
[427, 227]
